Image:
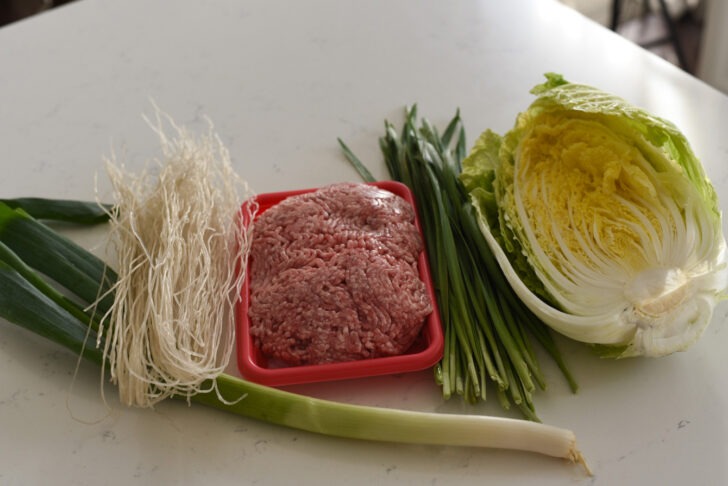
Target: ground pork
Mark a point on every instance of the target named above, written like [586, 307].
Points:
[334, 277]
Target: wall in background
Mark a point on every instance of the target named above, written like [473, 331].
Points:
[713, 66]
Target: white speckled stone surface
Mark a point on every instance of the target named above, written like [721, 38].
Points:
[281, 80]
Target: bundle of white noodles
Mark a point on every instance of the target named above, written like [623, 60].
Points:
[181, 263]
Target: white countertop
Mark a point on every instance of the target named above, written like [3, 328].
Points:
[281, 81]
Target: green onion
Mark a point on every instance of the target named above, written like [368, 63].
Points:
[388, 425]
[81, 212]
[488, 330]
[26, 305]
[55, 256]
[28, 301]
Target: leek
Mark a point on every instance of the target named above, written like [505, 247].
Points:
[55, 256]
[25, 302]
[69, 211]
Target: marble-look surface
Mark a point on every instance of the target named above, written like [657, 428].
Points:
[280, 81]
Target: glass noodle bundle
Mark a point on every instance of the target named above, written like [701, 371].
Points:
[178, 238]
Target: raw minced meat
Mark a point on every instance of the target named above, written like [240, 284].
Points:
[334, 276]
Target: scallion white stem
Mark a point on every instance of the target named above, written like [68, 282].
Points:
[388, 425]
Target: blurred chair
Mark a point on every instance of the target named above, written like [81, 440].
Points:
[672, 37]
[14, 10]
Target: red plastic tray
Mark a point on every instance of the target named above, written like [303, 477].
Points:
[424, 353]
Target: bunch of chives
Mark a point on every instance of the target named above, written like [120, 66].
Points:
[488, 331]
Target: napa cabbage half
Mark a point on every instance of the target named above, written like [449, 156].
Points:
[602, 219]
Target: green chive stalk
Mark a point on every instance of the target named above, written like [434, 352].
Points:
[27, 300]
[488, 330]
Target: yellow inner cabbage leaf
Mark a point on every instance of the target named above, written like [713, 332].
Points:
[589, 195]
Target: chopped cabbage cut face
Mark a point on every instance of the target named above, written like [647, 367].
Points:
[603, 221]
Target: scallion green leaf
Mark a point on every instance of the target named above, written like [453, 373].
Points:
[70, 211]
